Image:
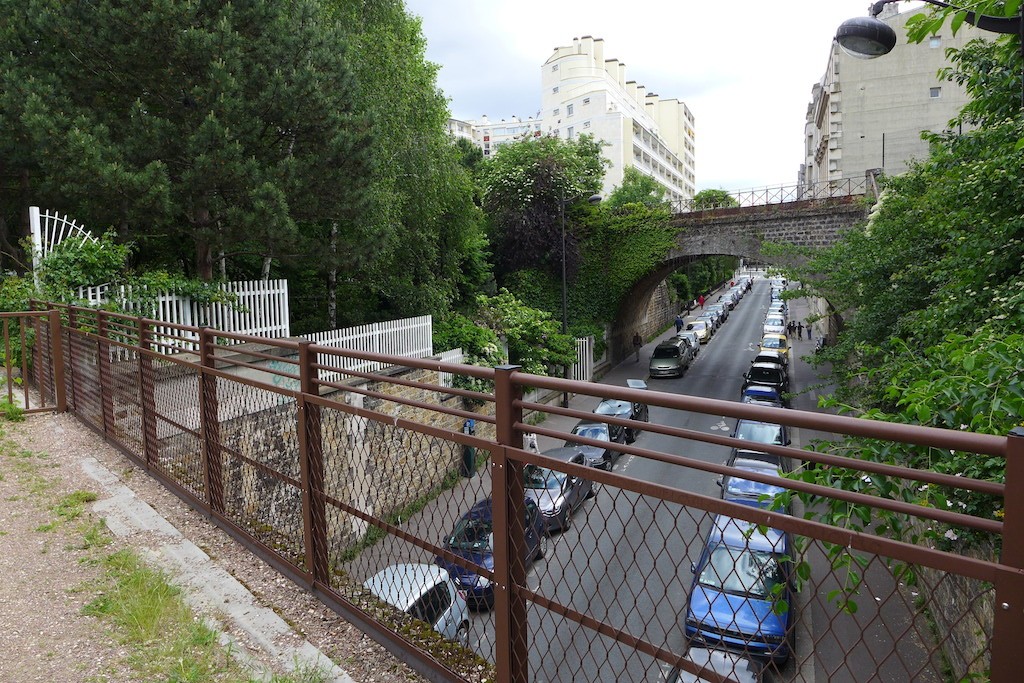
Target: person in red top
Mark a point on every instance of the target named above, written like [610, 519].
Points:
[700, 300]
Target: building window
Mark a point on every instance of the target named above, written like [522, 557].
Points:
[555, 89]
[935, 41]
[935, 93]
[570, 132]
[568, 110]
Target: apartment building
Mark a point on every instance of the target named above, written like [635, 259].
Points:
[869, 113]
[583, 92]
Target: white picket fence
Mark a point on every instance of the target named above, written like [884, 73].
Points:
[409, 337]
[260, 309]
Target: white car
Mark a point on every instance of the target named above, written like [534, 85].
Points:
[426, 592]
[774, 324]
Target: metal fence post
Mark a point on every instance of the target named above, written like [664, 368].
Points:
[1008, 621]
[57, 360]
[209, 424]
[106, 386]
[311, 467]
[147, 391]
[511, 657]
[71, 355]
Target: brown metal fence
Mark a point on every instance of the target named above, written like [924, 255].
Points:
[331, 481]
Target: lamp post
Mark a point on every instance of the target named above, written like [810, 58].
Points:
[593, 199]
[869, 37]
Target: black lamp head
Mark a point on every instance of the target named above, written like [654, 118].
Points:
[866, 37]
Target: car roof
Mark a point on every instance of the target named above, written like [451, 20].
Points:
[755, 464]
[613, 406]
[775, 335]
[760, 390]
[400, 585]
[766, 366]
[739, 533]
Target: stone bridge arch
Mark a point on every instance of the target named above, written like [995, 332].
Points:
[740, 232]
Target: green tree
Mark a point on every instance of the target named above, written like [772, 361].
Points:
[197, 128]
[432, 253]
[713, 199]
[533, 337]
[636, 188]
[526, 187]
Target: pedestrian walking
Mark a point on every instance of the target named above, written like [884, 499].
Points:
[789, 327]
[700, 300]
[808, 331]
[638, 341]
[799, 330]
[679, 324]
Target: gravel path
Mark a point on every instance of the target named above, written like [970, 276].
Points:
[44, 583]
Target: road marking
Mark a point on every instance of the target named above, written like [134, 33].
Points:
[721, 426]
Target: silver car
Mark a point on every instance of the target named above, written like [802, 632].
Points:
[557, 494]
[426, 592]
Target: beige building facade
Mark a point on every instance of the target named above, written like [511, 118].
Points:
[583, 92]
[869, 113]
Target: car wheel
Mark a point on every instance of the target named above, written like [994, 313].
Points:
[566, 522]
[542, 547]
[594, 486]
[462, 635]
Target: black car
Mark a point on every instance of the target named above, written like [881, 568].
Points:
[760, 433]
[625, 410]
[767, 375]
[600, 457]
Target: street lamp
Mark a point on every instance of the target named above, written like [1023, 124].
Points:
[869, 37]
[562, 201]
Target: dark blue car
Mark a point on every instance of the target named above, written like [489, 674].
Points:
[473, 539]
[741, 598]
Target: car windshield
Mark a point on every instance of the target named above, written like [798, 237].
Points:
[665, 352]
[542, 478]
[473, 534]
[697, 325]
[773, 343]
[742, 571]
[598, 432]
[774, 322]
[761, 432]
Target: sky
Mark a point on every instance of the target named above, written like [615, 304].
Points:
[744, 68]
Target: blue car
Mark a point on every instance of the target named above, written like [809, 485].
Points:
[741, 598]
[473, 539]
[762, 394]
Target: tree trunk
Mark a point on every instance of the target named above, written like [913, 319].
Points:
[332, 281]
[265, 272]
[204, 250]
[223, 265]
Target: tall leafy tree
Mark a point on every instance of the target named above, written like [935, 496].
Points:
[431, 242]
[200, 127]
[526, 188]
[637, 188]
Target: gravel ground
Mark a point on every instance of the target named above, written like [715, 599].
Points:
[44, 583]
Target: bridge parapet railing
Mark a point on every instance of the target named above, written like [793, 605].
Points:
[782, 194]
[331, 473]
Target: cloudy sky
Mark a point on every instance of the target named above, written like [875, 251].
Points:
[745, 68]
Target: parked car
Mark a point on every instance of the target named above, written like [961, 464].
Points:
[557, 494]
[701, 327]
[741, 597]
[779, 306]
[473, 539]
[426, 592]
[721, 308]
[625, 409]
[775, 342]
[692, 337]
[731, 665]
[762, 395]
[671, 358]
[762, 432]
[768, 375]
[600, 457]
[774, 324]
[772, 356]
[737, 489]
[714, 318]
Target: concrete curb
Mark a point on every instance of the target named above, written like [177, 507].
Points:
[207, 587]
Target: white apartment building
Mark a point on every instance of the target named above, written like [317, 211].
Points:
[489, 135]
[582, 92]
[869, 113]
